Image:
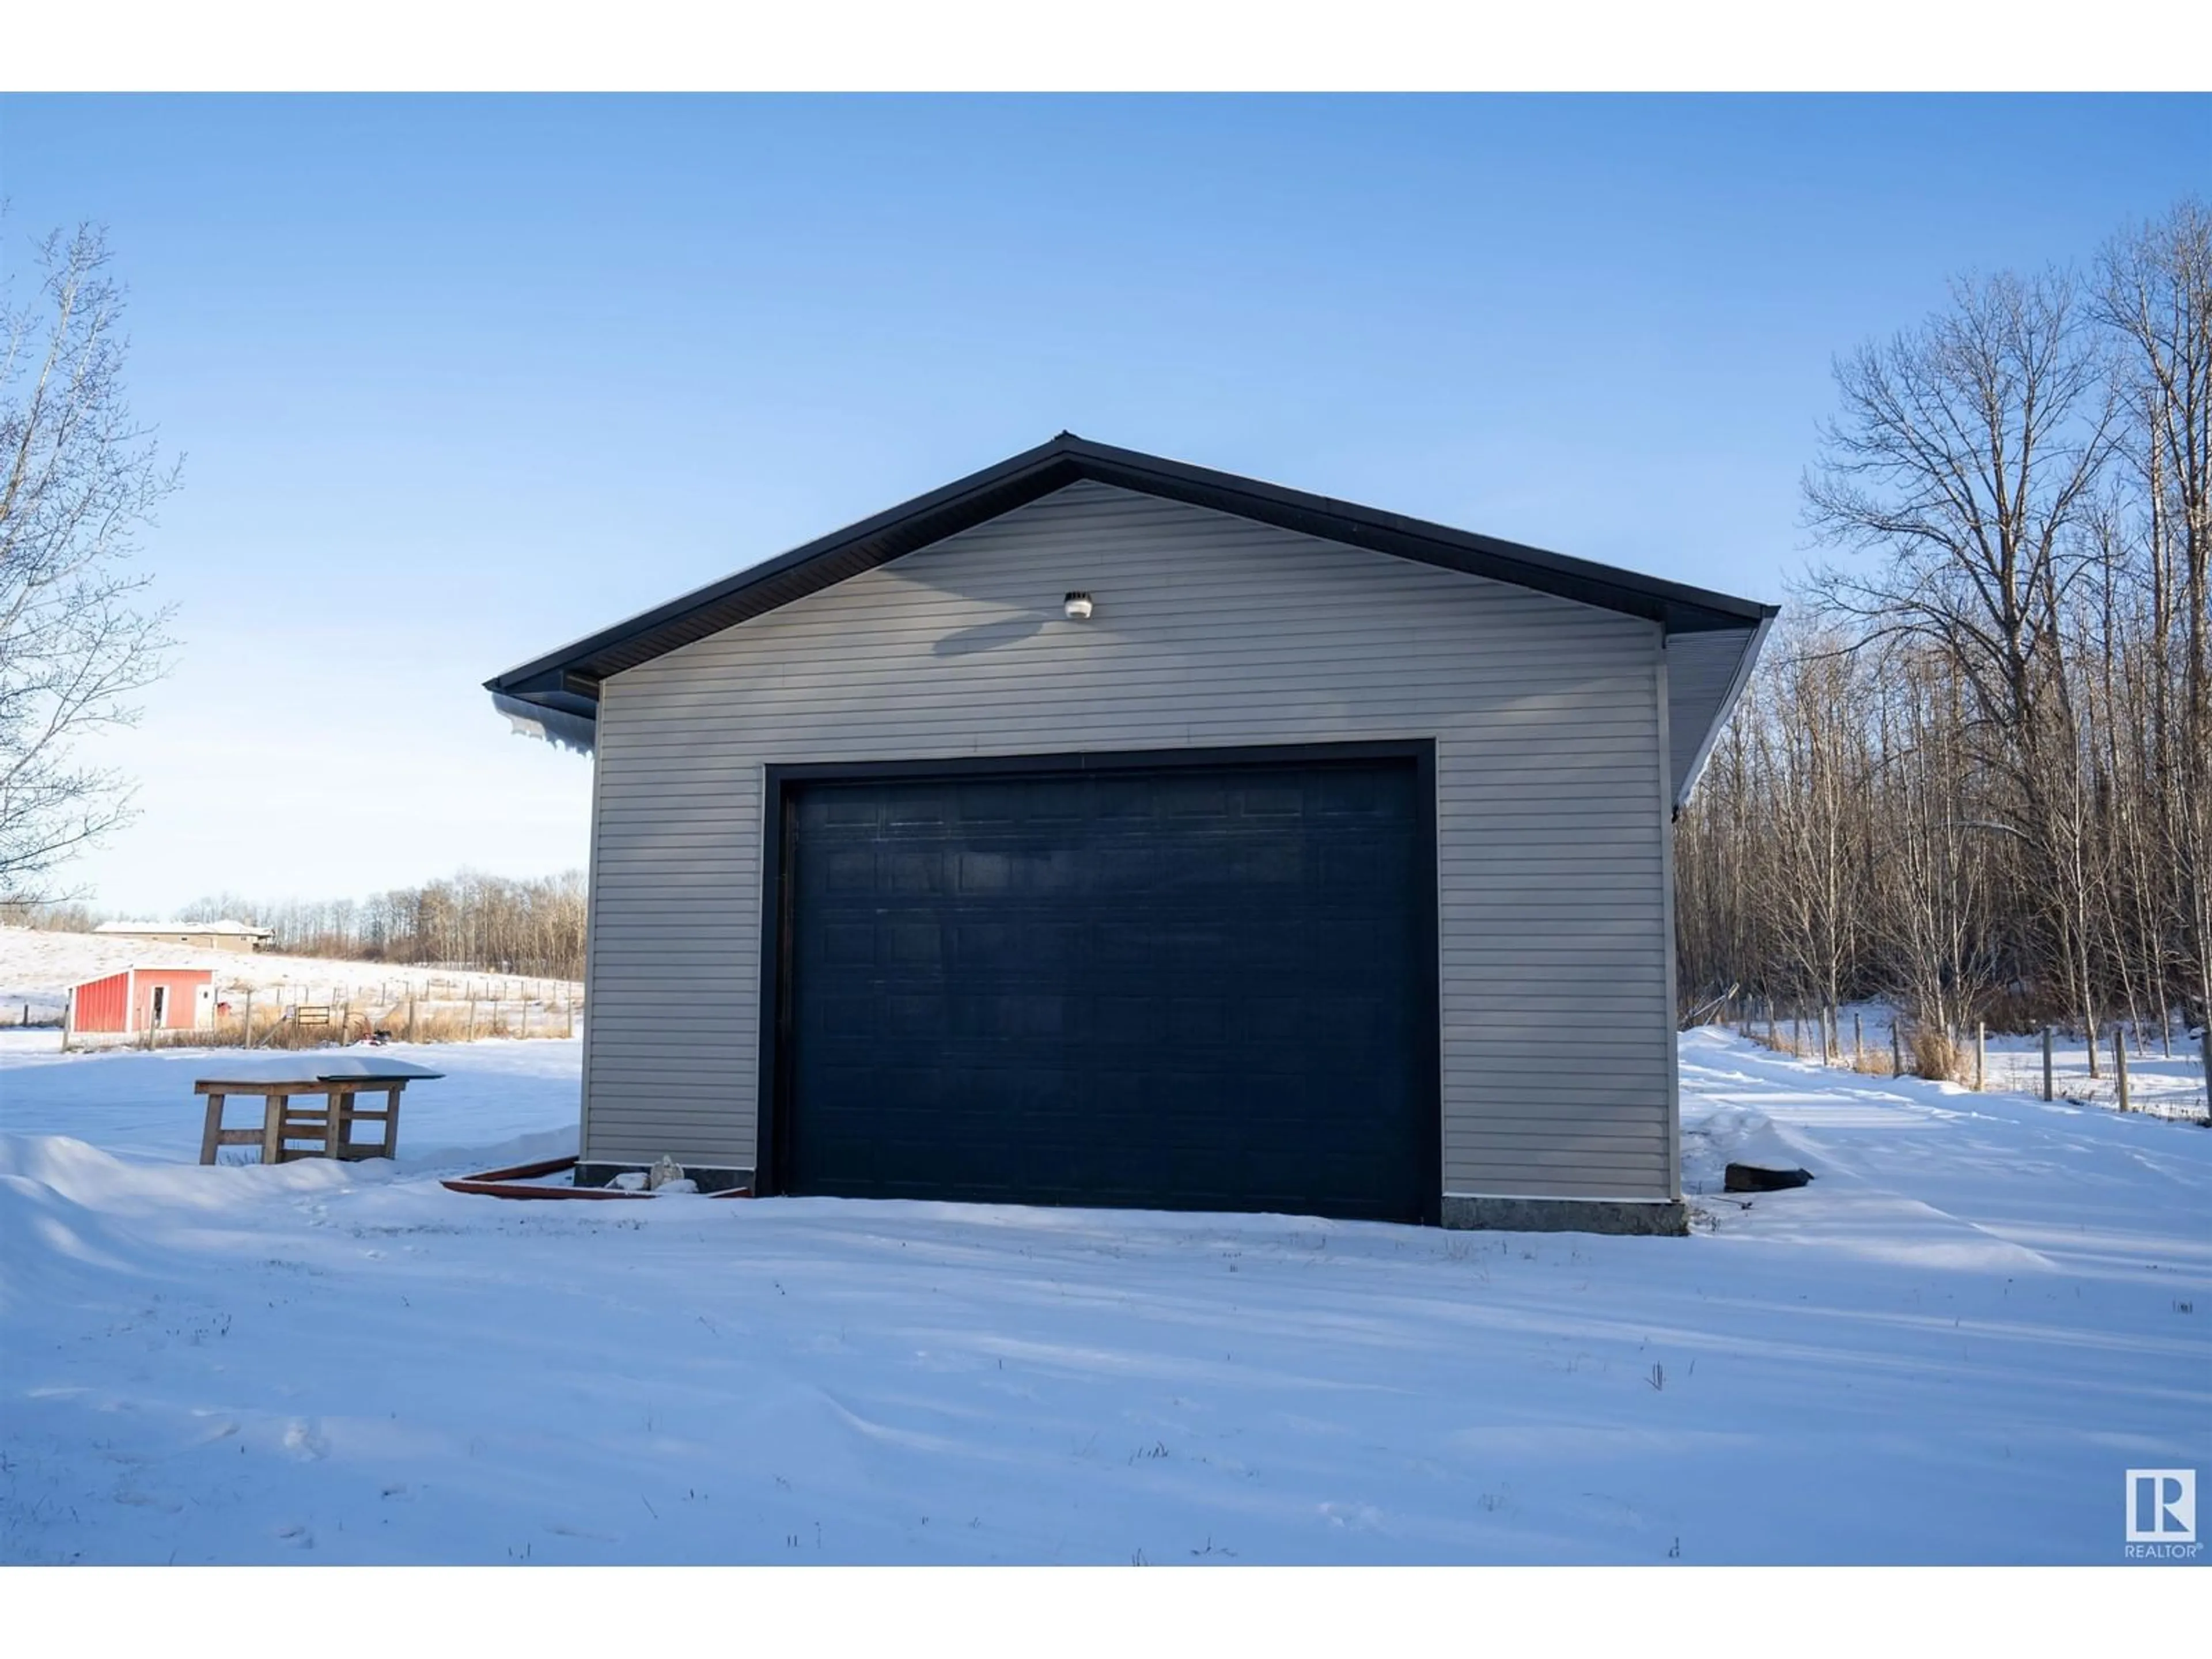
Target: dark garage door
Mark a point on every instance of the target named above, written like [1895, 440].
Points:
[1182, 988]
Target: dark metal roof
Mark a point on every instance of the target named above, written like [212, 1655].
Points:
[568, 679]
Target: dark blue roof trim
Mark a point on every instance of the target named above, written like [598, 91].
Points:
[568, 679]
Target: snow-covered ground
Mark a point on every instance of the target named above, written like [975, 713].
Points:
[2166, 1079]
[2166, 1070]
[1949, 1348]
[140, 1106]
[38, 967]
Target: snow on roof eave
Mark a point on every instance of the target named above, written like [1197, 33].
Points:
[553, 726]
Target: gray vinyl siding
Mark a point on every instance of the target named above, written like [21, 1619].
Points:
[1553, 781]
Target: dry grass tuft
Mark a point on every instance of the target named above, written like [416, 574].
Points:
[423, 1023]
[1934, 1055]
[1874, 1062]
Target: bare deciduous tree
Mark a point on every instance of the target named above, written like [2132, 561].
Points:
[468, 921]
[79, 479]
[2156, 295]
[2004, 809]
[1965, 461]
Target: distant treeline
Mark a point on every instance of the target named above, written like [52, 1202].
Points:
[491, 924]
[1974, 774]
[51, 916]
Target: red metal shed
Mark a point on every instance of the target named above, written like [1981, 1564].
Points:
[143, 1000]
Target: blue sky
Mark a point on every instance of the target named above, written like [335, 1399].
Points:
[459, 379]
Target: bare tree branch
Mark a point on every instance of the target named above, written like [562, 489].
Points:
[77, 638]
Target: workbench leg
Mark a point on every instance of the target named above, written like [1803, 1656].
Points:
[211, 1136]
[392, 1122]
[272, 1128]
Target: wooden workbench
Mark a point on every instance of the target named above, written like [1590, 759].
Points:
[309, 1130]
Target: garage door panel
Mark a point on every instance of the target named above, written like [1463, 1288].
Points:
[1188, 988]
[1048, 801]
[910, 940]
[1121, 800]
[853, 808]
[846, 870]
[849, 944]
[1266, 798]
[907, 871]
[917, 804]
[1127, 1022]
[1270, 1024]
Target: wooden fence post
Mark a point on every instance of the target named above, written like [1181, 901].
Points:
[249, 1017]
[472, 1035]
[2120, 1066]
[1896, 1047]
[2047, 1094]
[1858, 1043]
[1981, 1048]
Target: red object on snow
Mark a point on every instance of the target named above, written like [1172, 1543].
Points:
[515, 1184]
[142, 1000]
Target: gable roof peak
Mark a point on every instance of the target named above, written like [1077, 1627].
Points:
[566, 682]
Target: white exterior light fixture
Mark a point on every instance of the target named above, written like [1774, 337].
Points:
[1078, 607]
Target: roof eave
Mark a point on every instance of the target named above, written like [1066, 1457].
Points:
[1737, 685]
[566, 680]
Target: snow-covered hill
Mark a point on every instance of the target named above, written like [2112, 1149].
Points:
[38, 967]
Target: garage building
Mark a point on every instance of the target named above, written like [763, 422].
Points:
[1104, 829]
